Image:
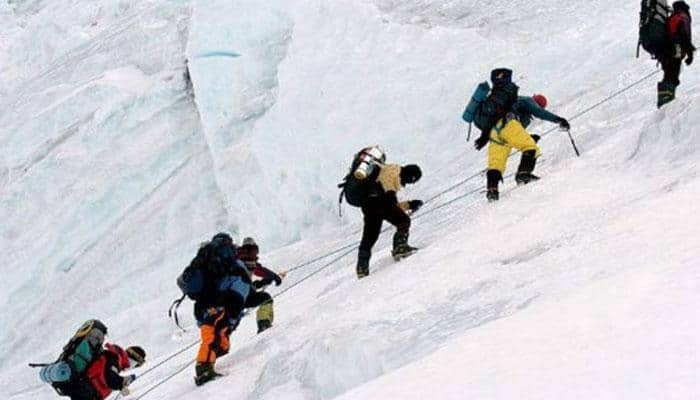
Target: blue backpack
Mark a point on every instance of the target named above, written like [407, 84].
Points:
[490, 104]
[200, 278]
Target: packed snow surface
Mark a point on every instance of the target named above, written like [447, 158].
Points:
[131, 131]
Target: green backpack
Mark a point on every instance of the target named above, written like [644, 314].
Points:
[77, 356]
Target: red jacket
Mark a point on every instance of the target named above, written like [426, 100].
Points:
[679, 31]
[103, 374]
[249, 256]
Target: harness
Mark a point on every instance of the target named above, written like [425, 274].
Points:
[500, 125]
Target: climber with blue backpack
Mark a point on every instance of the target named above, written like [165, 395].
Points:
[503, 118]
[219, 284]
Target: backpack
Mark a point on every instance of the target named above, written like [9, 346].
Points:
[77, 356]
[199, 279]
[499, 101]
[480, 94]
[195, 278]
[361, 181]
[653, 31]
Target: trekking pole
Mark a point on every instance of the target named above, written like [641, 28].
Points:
[573, 143]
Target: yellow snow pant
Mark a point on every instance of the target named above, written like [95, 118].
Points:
[505, 138]
[266, 312]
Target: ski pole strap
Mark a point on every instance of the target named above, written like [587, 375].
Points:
[172, 312]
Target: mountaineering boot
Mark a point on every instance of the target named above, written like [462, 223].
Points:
[265, 316]
[666, 93]
[492, 195]
[205, 373]
[493, 177]
[523, 178]
[363, 263]
[263, 325]
[401, 248]
[527, 165]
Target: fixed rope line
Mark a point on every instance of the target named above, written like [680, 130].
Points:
[353, 246]
[617, 93]
[164, 380]
[189, 346]
[338, 250]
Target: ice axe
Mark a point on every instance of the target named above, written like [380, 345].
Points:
[573, 144]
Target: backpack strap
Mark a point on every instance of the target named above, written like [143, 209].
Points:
[172, 311]
[341, 186]
[340, 202]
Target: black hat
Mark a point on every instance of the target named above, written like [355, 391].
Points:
[410, 173]
[137, 354]
[222, 237]
[681, 6]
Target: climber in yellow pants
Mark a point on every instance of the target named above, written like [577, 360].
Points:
[505, 138]
[511, 133]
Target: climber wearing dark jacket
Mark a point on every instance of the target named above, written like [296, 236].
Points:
[680, 46]
[382, 205]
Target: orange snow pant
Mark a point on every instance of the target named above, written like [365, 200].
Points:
[214, 331]
[505, 138]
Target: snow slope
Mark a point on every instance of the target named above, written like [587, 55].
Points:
[580, 286]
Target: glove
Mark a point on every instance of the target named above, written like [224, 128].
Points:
[536, 138]
[689, 58]
[481, 142]
[125, 385]
[415, 205]
[129, 379]
[277, 279]
[261, 283]
[564, 124]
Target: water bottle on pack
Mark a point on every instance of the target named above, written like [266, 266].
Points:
[367, 160]
[56, 372]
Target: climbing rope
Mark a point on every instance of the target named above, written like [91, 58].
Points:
[164, 380]
[349, 248]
